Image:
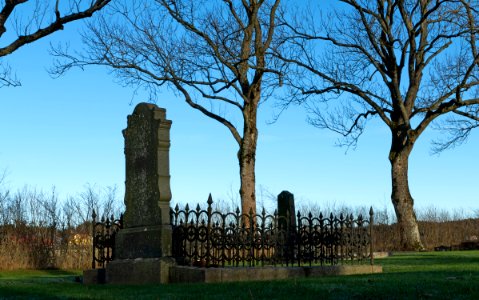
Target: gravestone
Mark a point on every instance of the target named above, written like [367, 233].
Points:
[287, 222]
[286, 210]
[143, 247]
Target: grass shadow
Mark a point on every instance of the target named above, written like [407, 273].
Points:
[451, 275]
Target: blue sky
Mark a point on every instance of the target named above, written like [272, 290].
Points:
[66, 133]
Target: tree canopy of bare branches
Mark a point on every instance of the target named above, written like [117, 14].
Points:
[25, 21]
[213, 54]
[409, 63]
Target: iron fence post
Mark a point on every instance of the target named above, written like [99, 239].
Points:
[94, 239]
[294, 240]
[208, 231]
[341, 237]
[251, 237]
[371, 223]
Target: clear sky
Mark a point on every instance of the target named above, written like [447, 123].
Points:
[66, 132]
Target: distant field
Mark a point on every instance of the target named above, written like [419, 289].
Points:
[429, 275]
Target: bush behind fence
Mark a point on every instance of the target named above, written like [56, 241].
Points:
[38, 231]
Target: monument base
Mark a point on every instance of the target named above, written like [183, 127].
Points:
[144, 242]
[184, 274]
[139, 271]
[94, 276]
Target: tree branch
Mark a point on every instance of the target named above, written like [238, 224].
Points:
[47, 30]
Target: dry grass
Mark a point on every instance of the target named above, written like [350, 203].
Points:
[37, 231]
[433, 234]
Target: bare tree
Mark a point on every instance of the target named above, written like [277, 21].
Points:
[5, 199]
[89, 201]
[214, 54]
[69, 213]
[408, 63]
[27, 21]
[109, 203]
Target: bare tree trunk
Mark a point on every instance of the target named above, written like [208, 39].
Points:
[247, 161]
[403, 201]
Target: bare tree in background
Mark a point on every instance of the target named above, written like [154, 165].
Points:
[409, 63]
[25, 21]
[214, 54]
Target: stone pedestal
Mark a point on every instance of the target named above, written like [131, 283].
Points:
[94, 276]
[144, 242]
[139, 271]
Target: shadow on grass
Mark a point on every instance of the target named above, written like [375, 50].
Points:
[418, 285]
[452, 275]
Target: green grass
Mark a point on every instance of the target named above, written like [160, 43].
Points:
[444, 275]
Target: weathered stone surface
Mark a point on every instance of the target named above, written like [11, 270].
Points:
[144, 242]
[286, 210]
[342, 270]
[147, 229]
[139, 271]
[287, 221]
[182, 274]
[147, 186]
[94, 276]
[381, 254]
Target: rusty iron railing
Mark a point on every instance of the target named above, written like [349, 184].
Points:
[104, 231]
[208, 238]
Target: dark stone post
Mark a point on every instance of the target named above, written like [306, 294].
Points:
[286, 210]
[287, 223]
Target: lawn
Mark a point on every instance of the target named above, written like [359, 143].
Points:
[429, 275]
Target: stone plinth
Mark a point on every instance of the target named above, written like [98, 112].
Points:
[94, 276]
[139, 271]
[181, 274]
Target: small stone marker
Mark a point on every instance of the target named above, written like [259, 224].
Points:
[286, 210]
[287, 221]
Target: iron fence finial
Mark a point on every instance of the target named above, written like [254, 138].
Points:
[210, 200]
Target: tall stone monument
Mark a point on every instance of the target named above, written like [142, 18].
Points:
[143, 246]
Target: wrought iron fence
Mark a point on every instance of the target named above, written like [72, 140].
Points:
[209, 238]
[203, 237]
[104, 231]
